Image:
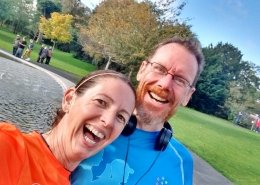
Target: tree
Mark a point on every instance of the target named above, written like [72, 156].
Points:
[5, 10]
[116, 30]
[18, 14]
[57, 28]
[77, 9]
[227, 85]
[80, 15]
[124, 31]
[244, 91]
[46, 7]
[167, 11]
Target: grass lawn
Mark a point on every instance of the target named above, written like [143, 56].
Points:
[232, 150]
[60, 60]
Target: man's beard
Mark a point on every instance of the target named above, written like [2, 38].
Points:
[146, 115]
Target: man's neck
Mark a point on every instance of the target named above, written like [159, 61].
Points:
[148, 123]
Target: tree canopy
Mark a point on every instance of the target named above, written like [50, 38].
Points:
[57, 28]
[125, 31]
[228, 84]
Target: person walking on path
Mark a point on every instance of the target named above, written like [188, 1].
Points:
[149, 154]
[257, 125]
[48, 56]
[238, 118]
[40, 53]
[44, 54]
[28, 50]
[16, 43]
[22, 44]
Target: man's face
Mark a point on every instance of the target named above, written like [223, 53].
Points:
[159, 95]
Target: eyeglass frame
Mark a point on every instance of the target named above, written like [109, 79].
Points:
[164, 71]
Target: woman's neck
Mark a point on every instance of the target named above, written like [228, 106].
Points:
[56, 145]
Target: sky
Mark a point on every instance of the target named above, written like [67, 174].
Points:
[228, 21]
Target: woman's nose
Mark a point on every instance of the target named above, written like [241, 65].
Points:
[108, 118]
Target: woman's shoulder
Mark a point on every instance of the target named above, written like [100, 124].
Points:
[11, 142]
[10, 135]
[8, 127]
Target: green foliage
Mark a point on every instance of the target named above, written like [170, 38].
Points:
[57, 28]
[17, 14]
[66, 62]
[4, 13]
[78, 10]
[46, 7]
[227, 85]
[167, 11]
[230, 149]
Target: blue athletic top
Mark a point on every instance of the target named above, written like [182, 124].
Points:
[132, 160]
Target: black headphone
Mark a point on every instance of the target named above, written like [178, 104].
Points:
[163, 138]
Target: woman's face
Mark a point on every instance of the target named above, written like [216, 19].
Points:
[94, 119]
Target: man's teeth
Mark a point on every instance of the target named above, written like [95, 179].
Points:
[94, 131]
[154, 96]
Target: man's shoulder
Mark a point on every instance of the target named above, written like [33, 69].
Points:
[178, 147]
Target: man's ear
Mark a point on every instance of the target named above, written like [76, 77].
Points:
[187, 97]
[68, 99]
[141, 70]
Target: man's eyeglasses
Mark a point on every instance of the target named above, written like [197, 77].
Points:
[161, 70]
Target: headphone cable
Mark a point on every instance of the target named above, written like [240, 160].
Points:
[126, 157]
[150, 167]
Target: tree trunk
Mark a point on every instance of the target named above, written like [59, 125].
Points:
[35, 35]
[108, 63]
[130, 73]
[54, 43]
[39, 39]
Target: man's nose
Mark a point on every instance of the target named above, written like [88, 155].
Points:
[166, 81]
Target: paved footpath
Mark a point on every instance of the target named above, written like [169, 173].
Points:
[204, 174]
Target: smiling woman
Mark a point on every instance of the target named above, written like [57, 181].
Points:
[92, 115]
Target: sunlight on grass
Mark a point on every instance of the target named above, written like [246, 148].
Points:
[232, 150]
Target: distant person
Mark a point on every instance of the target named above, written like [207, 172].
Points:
[92, 115]
[257, 125]
[48, 56]
[238, 118]
[44, 54]
[22, 44]
[149, 155]
[16, 43]
[40, 53]
[28, 50]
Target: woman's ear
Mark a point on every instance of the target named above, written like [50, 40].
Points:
[68, 99]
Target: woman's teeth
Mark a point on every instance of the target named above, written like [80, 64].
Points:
[95, 132]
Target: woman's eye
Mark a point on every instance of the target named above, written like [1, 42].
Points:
[101, 102]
